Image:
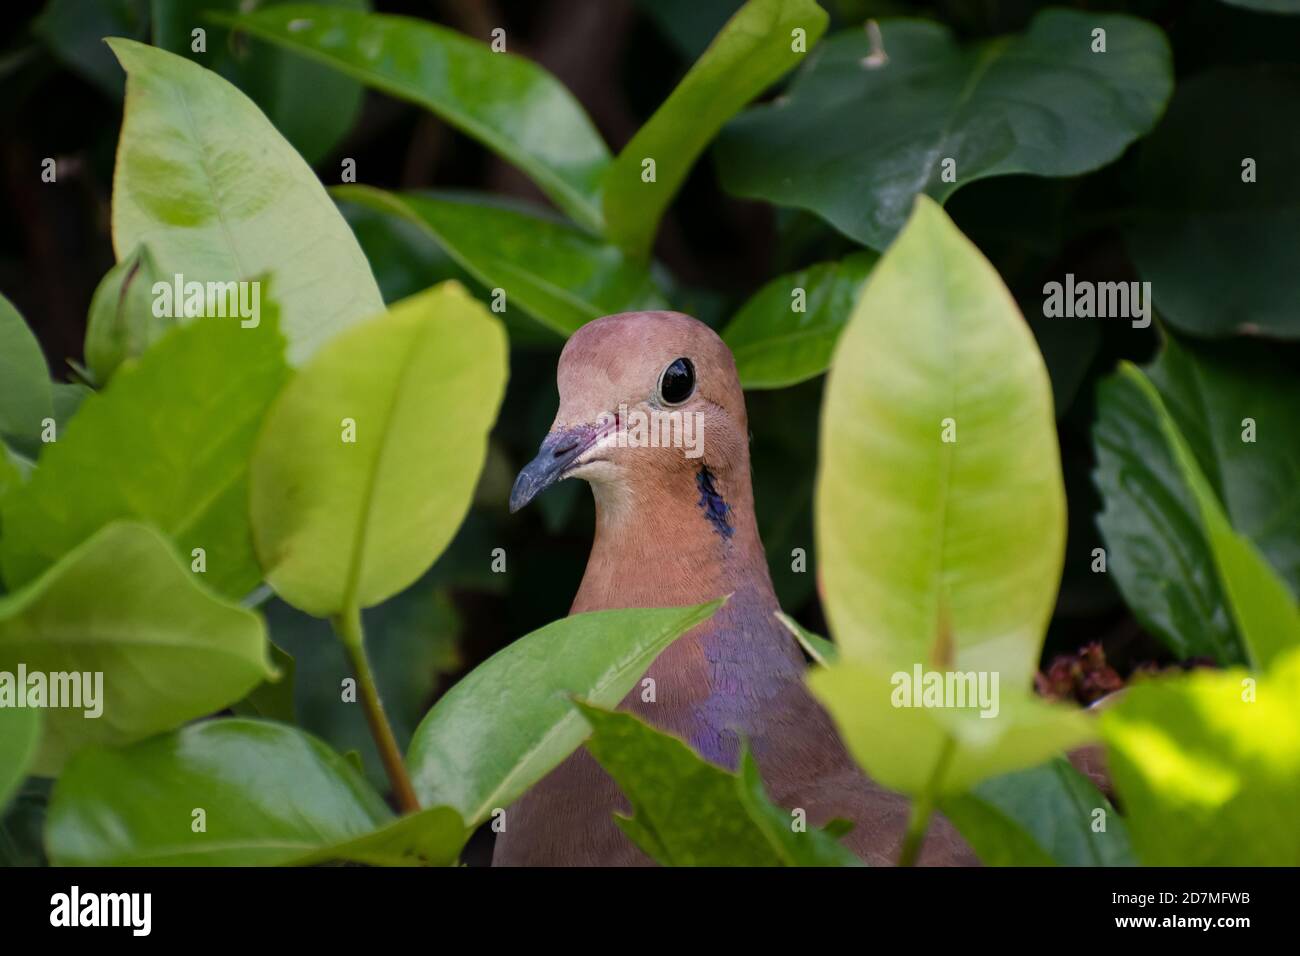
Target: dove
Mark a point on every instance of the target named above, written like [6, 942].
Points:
[652, 417]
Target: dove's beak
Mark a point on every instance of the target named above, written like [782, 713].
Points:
[560, 450]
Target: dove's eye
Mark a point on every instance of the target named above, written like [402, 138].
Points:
[677, 382]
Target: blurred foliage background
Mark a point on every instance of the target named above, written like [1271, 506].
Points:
[62, 98]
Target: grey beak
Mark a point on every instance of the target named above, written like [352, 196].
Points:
[559, 450]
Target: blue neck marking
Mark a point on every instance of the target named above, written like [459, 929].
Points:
[715, 506]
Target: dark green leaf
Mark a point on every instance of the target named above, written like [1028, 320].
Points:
[22, 823]
[1267, 6]
[774, 344]
[75, 31]
[1045, 816]
[1266, 613]
[510, 104]
[1219, 252]
[311, 105]
[403, 256]
[559, 275]
[855, 143]
[25, 398]
[1156, 546]
[807, 846]
[687, 812]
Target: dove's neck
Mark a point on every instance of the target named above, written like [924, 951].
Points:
[691, 537]
[679, 537]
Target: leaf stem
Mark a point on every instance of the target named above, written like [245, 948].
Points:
[348, 627]
[923, 808]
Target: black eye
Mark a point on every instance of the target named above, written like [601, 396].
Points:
[677, 382]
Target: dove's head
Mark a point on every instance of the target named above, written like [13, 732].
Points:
[650, 405]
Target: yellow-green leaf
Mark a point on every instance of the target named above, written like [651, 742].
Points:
[940, 508]
[368, 459]
[756, 48]
[218, 195]
[1207, 766]
[122, 606]
[941, 750]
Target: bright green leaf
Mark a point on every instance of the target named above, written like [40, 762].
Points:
[1207, 766]
[367, 461]
[855, 143]
[756, 48]
[559, 275]
[270, 795]
[122, 324]
[508, 103]
[940, 507]
[510, 721]
[122, 604]
[936, 750]
[688, 812]
[1045, 816]
[815, 646]
[205, 181]
[1266, 613]
[774, 344]
[167, 442]
[25, 398]
[20, 734]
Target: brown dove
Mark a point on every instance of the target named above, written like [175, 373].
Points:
[652, 416]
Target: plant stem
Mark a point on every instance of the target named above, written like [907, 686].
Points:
[917, 823]
[348, 627]
[923, 808]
